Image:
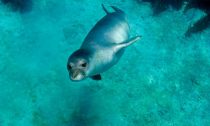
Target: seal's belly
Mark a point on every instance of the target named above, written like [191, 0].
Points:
[111, 29]
[117, 34]
[101, 62]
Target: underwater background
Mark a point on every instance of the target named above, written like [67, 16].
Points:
[161, 80]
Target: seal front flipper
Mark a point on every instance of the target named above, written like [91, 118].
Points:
[96, 77]
[127, 43]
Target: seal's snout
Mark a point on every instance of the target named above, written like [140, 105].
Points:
[76, 75]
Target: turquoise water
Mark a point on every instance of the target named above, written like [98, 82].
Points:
[161, 80]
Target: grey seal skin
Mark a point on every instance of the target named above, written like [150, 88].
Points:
[102, 47]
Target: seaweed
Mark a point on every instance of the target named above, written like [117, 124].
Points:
[199, 4]
[202, 23]
[22, 6]
[160, 6]
[198, 26]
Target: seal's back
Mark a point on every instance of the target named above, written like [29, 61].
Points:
[111, 29]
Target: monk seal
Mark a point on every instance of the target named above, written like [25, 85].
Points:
[102, 47]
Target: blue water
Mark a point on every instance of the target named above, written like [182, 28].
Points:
[161, 80]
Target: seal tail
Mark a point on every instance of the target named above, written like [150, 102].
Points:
[107, 12]
[113, 7]
[117, 9]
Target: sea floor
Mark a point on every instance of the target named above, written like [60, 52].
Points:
[161, 80]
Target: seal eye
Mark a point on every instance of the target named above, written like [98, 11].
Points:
[69, 67]
[84, 64]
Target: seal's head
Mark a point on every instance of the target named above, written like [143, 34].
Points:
[78, 64]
